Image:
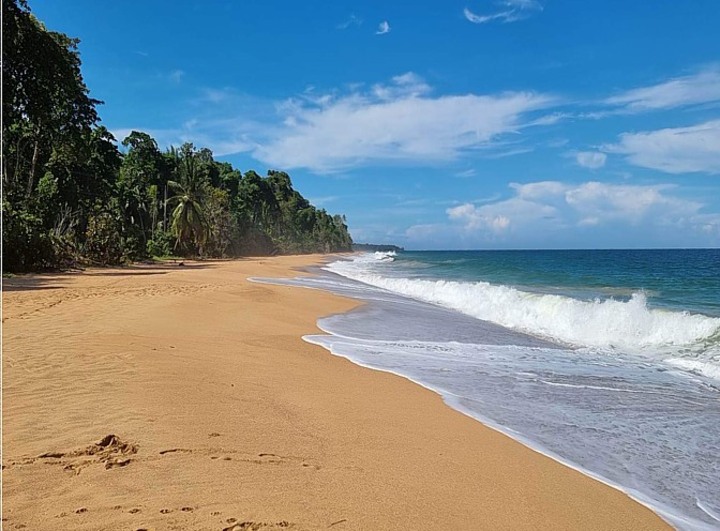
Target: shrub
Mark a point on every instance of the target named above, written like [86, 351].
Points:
[161, 244]
[102, 240]
[27, 244]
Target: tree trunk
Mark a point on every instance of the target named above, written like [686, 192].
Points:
[165, 210]
[16, 175]
[33, 167]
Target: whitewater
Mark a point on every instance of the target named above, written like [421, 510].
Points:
[605, 361]
[612, 324]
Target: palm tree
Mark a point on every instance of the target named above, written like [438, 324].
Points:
[188, 220]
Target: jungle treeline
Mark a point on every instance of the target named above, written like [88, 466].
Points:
[73, 194]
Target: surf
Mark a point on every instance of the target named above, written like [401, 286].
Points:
[600, 323]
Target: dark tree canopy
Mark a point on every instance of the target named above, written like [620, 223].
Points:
[45, 101]
[70, 195]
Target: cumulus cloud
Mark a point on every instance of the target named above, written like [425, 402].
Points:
[702, 87]
[674, 150]
[549, 207]
[397, 121]
[500, 216]
[602, 202]
[591, 159]
[383, 28]
[474, 218]
[509, 11]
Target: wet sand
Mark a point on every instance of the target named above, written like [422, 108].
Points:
[166, 397]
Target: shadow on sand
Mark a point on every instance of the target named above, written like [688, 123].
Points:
[56, 279]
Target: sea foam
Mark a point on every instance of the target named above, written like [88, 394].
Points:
[645, 424]
[600, 323]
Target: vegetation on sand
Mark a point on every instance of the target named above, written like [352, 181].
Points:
[70, 193]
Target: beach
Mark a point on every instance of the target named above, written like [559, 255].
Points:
[167, 397]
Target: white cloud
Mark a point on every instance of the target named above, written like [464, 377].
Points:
[351, 21]
[591, 159]
[466, 173]
[602, 202]
[538, 190]
[321, 201]
[549, 206]
[500, 216]
[703, 87]
[482, 19]
[555, 214]
[213, 95]
[511, 11]
[383, 28]
[405, 85]
[674, 150]
[394, 122]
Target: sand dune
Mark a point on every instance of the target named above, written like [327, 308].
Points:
[159, 397]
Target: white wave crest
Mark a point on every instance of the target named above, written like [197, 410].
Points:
[600, 323]
[705, 367]
[388, 256]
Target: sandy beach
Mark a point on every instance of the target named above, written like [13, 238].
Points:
[165, 397]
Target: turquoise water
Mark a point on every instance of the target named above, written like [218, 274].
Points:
[679, 279]
[608, 361]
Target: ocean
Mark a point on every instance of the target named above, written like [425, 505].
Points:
[606, 360]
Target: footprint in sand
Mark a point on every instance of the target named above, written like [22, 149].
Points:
[110, 451]
[255, 526]
[175, 450]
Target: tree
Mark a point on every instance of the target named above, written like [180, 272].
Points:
[70, 194]
[45, 100]
[141, 188]
[223, 236]
[47, 136]
[189, 224]
[256, 201]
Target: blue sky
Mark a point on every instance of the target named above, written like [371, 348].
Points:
[435, 125]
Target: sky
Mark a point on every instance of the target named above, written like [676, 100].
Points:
[479, 124]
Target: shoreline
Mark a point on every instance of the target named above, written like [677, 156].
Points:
[518, 438]
[237, 418]
[667, 513]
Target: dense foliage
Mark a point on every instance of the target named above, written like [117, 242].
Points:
[70, 193]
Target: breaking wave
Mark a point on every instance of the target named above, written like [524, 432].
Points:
[601, 323]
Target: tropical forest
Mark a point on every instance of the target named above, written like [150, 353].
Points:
[73, 194]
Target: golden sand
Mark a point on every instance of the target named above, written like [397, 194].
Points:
[166, 397]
